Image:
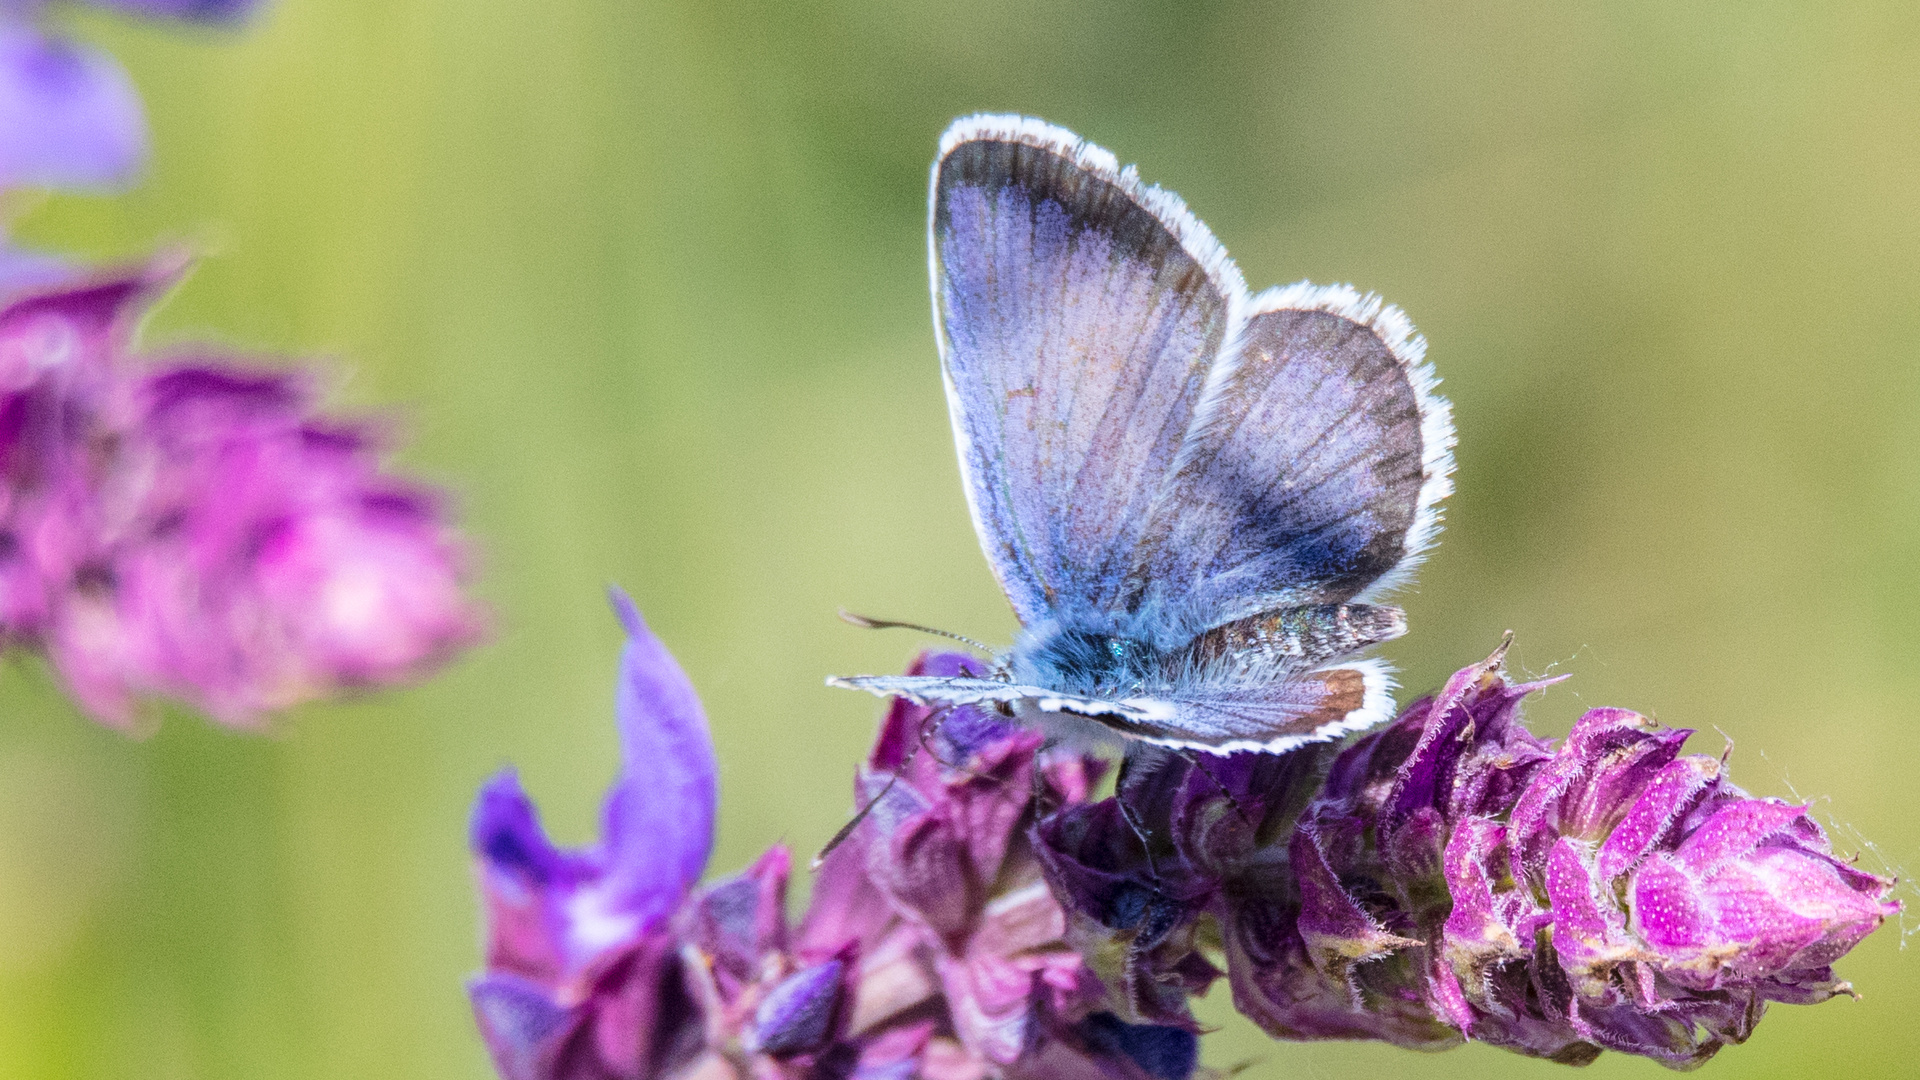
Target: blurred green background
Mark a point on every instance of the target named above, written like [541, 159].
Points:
[647, 283]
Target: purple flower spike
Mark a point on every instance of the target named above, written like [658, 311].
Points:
[1608, 894]
[1457, 877]
[196, 530]
[253, 557]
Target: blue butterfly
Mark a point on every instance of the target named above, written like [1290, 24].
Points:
[1192, 496]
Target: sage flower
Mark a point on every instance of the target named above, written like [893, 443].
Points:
[1453, 876]
[931, 948]
[190, 526]
[582, 954]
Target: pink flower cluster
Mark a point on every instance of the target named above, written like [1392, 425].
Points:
[1452, 876]
[189, 527]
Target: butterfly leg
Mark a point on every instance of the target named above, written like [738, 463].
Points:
[927, 731]
[1126, 813]
[939, 717]
[1195, 761]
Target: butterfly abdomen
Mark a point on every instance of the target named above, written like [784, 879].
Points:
[1299, 637]
[1275, 644]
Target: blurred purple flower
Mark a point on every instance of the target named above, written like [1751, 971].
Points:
[1456, 877]
[885, 978]
[69, 115]
[57, 386]
[255, 557]
[191, 529]
[211, 12]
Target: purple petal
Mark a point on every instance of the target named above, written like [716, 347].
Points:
[69, 116]
[924, 869]
[894, 1054]
[522, 1026]
[1587, 938]
[968, 729]
[1475, 933]
[846, 908]
[80, 320]
[1650, 817]
[991, 1001]
[1667, 912]
[526, 884]
[1616, 780]
[659, 817]
[739, 921]
[1412, 852]
[1338, 933]
[1774, 907]
[1531, 828]
[505, 831]
[1734, 831]
[798, 1016]
[1426, 774]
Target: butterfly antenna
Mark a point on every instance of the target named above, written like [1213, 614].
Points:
[854, 822]
[883, 624]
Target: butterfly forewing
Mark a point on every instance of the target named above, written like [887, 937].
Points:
[1079, 313]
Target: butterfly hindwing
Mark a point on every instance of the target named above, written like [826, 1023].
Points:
[963, 690]
[1079, 313]
[1271, 716]
[1314, 465]
[1218, 717]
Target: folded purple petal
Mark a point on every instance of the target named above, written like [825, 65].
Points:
[659, 819]
[520, 1024]
[799, 1015]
